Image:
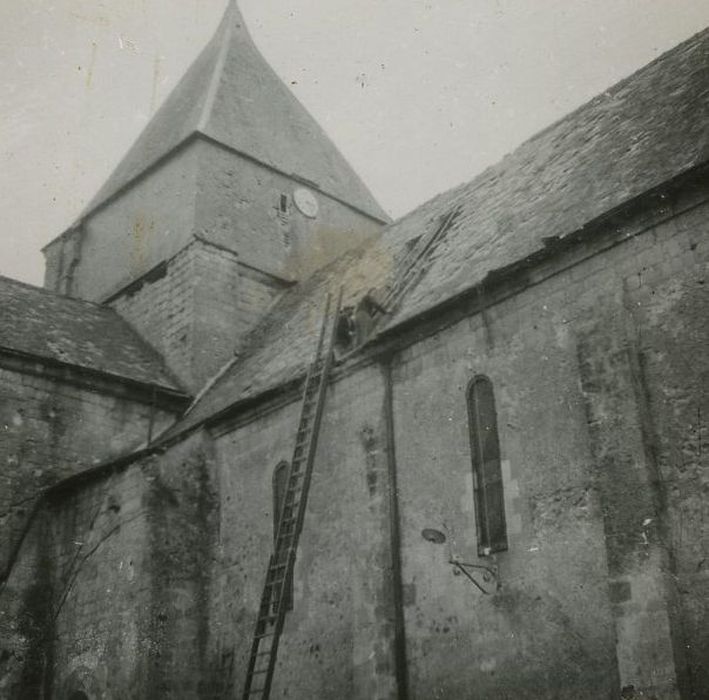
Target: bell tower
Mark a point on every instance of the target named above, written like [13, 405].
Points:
[231, 194]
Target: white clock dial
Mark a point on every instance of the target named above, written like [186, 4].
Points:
[306, 202]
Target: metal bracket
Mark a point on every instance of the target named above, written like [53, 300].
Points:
[489, 576]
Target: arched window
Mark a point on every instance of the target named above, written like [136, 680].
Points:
[280, 483]
[487, 471]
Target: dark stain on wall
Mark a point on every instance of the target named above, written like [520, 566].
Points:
[36, 627]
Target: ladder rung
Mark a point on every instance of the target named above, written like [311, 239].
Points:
[263, 635]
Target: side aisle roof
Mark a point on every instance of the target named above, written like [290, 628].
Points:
[37, 323]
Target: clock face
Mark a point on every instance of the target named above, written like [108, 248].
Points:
[306, 202]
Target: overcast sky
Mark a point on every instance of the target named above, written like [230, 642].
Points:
[419, 95]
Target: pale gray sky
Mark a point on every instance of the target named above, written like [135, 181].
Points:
[419, 95]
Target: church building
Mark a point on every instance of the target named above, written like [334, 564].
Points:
[257, 440]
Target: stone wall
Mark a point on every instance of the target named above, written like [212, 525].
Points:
[109, 594]
[147, 223]
[51, 430]
[197, 307]
[600, 418]
[592, 597]
[239, 206]
[338, 639]
[599, 377]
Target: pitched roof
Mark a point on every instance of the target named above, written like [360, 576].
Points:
[232, 95]
[36, 322]
[645, 131]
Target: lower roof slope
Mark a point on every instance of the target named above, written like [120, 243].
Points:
[647, 130]
[41, 324]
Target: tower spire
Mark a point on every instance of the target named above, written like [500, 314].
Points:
[231, 95]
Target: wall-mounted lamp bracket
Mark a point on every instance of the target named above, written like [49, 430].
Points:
[488, 575]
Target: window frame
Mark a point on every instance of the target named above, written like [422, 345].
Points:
[488, 493]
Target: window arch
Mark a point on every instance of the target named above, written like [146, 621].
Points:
[280, 483]
[487, 468]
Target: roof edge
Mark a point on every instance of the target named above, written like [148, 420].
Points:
[151, 388]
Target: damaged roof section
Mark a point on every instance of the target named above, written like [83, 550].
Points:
[647, 130]
[44, 325]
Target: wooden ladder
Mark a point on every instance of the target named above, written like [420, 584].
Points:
[414, 263]
[274, 599]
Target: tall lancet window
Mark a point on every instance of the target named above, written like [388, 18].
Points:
[487, 470]
[280, 483]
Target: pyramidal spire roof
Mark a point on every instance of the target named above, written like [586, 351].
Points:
[231, 94]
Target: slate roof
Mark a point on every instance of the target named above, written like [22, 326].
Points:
[42, 324]
[647, 130]
[232, 95]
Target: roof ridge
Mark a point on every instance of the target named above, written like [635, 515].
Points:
[224, 31]
[610, 91]
[52, 293]
[568, 117]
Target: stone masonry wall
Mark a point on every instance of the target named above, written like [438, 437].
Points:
[51, 430]
[149, 222]
[600, 415]
[599, 383]
[238, 206]
[602, 588]
[196, 311]
[338, 639]
[115, 577]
